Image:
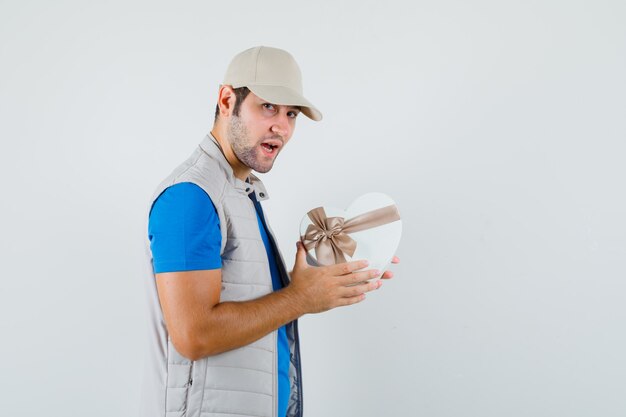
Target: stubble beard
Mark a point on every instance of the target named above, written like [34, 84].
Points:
[248, 155]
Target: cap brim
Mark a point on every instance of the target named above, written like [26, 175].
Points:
[286, 97]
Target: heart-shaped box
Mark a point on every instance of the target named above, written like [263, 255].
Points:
[370, 228]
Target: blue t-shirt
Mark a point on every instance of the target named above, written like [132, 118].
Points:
[184, 233]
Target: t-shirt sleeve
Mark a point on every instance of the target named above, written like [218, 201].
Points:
[184, 230]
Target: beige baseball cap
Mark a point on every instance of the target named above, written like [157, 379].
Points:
[271, 74]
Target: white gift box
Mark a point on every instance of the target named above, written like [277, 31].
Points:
[327, 232]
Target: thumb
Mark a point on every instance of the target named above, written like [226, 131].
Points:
[300, 256]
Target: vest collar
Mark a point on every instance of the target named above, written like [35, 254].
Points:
[211, 146]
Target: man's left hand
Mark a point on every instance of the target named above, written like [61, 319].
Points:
[389, 274]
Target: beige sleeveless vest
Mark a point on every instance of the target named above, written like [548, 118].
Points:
[244, 381]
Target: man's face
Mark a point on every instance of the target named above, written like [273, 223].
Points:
[260, 131]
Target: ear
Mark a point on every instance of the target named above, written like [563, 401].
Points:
[226, 100]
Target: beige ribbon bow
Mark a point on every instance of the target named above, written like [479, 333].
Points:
[329, 235]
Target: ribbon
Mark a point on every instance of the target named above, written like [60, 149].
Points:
[329, 235]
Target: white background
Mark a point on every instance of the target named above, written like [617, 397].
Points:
[497, 126]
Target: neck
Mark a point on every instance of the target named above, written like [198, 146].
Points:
[240, 170]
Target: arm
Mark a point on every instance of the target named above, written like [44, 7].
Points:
[200, 325]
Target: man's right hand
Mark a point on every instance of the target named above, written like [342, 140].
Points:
[201, 325]
[322, 288]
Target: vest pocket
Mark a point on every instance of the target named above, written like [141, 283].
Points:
[179, 372]
[189, 410]
[195, 388]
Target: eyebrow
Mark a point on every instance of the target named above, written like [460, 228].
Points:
[299, 108]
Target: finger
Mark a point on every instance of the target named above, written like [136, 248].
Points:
[300, 256]
[395, 260]
[387, 275]
[355, 290]
[351, 300]
[347, 267]
[357, 277]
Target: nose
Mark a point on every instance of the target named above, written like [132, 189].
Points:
[281, 125]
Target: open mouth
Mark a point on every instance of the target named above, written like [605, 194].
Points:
[271, 147]
[268, 147]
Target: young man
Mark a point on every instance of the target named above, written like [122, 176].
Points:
[224, 308]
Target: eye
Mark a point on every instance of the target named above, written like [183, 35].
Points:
[293, 114]
[269, 106]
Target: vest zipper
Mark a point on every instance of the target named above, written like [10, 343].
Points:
[285, 281]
